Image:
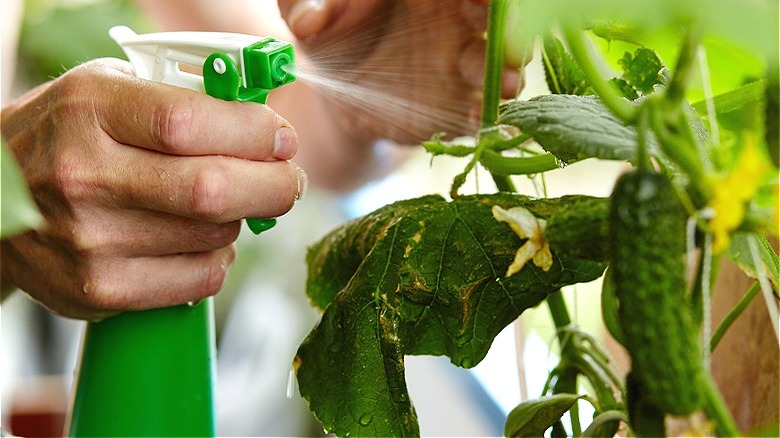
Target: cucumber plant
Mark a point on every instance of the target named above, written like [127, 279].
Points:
[438, 277]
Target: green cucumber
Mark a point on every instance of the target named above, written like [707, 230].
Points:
[646, 419]
[580, 229]
[647, 234]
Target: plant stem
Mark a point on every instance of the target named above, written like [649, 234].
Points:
[584, 56]
[681, 76]
[498, 164]
[671, 119]
[503, 183]
[683, 153]
[494, 62]
[567, 378]
[717, 411]
[642, 156]
[494, 67]
[511, 143]
[734, 314]
[491, 95]
[559, 312]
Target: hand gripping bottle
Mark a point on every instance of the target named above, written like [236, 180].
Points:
[151, 373]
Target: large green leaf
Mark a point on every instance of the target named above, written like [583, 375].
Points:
[574, 127]
[422, 276]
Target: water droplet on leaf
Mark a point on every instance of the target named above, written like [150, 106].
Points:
[366, 419]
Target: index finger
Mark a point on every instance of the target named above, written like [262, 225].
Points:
[180, 121]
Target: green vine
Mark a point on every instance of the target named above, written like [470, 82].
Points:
[386, 293]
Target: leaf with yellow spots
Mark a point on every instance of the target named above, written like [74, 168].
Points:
[418, 277]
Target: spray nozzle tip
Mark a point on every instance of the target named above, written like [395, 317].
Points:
[282, 66]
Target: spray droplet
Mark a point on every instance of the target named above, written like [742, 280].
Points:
[366, 419]
[399, 395]
[335, 347]
[193, 303]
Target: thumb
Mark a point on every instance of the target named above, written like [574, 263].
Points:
[306, 18]
[328, 18]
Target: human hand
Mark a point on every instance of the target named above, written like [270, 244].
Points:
[143, 186]
[398, 69]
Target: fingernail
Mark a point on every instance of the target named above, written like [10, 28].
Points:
[285, 144]
[305, 17]
[303, 181]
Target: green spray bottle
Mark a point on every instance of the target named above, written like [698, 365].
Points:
[152, 373]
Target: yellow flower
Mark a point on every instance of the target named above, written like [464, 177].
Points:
[732, 192]
[526, 226]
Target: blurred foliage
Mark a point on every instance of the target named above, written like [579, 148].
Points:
[18, 212]
[740, 37]
[57, 35]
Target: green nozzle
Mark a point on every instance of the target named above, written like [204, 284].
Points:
[263, 63]
[278, 71]
[266, 66]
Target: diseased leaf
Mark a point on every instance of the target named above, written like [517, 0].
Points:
[642, 69]
[625, 88]
[422, 276]
[533, 417]
[574, 127]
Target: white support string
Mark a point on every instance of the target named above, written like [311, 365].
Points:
[763, 281]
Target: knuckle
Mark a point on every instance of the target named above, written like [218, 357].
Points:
[74, 82]
[172, 124]
[210, 193]
[101, 295]
[85, 240]
[82, 82]
[68, 178]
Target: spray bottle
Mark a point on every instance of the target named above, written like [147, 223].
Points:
[151, 373]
